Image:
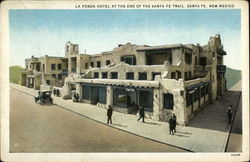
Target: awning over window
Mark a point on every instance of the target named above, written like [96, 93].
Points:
[133, 87]
[195, 86]
[121, 86]
[121, 83]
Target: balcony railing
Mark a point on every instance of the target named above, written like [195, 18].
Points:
[221, 68]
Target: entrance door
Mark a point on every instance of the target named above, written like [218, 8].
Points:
[32, 83]
[132, 102]
[94, 95]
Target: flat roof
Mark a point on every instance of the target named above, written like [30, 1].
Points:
[163, 47]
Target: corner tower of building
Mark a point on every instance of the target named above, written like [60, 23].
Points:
[71, 49]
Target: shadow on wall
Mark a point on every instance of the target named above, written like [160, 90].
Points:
[214, 116]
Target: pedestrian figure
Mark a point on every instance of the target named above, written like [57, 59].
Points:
[229, 114]
[109, 114]
[54, 91]
[57, 92]
[141, 113]
[77, 97]
[171, 125]
[175, 122]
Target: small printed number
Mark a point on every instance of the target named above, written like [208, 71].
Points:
[235, 154]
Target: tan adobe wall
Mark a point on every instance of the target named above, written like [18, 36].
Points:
[82, 59]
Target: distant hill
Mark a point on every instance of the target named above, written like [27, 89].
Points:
[15, 73]
[232, 76]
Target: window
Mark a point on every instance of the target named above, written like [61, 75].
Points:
[43, 67]
[96, 75]
[75, 48]
[114, 75]
[178, 74]
[98, 63]
[120, 98]
[104, 75]
[67, 48]
[26, 67]
[172, 75]
[189, 98]
[196, 94]
[207, 89]
[54, 75]
[86, 65]
[168, 101]
[102, 95]
[38, 67]
[86, 92]
[203, 91]
[146, 100]
[203, 61]
[170, 58]
[142, 76]
[196, 61]
[59, 76]
[154, 74]
[59, 66]
[53, 66]
[186, 76]
[130, 76]
[190, 75]
[92, 64]
[188, 58]
[107, 62]
[48, 82]
[130, 59]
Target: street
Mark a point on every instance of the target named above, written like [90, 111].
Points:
[49, 128]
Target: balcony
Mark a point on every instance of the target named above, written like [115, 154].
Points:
[221, 52]
[221, 68]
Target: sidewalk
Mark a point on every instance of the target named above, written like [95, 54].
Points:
[207, 132]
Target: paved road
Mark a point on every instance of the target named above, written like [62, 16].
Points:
[40, 128]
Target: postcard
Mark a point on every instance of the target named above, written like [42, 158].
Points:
[124, 80]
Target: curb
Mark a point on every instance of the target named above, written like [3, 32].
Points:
[231, 127]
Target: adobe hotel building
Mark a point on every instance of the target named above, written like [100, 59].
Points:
[164, 79]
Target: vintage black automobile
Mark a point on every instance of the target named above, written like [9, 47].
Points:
[44, 97]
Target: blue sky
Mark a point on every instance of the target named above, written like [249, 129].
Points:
[45, 32]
